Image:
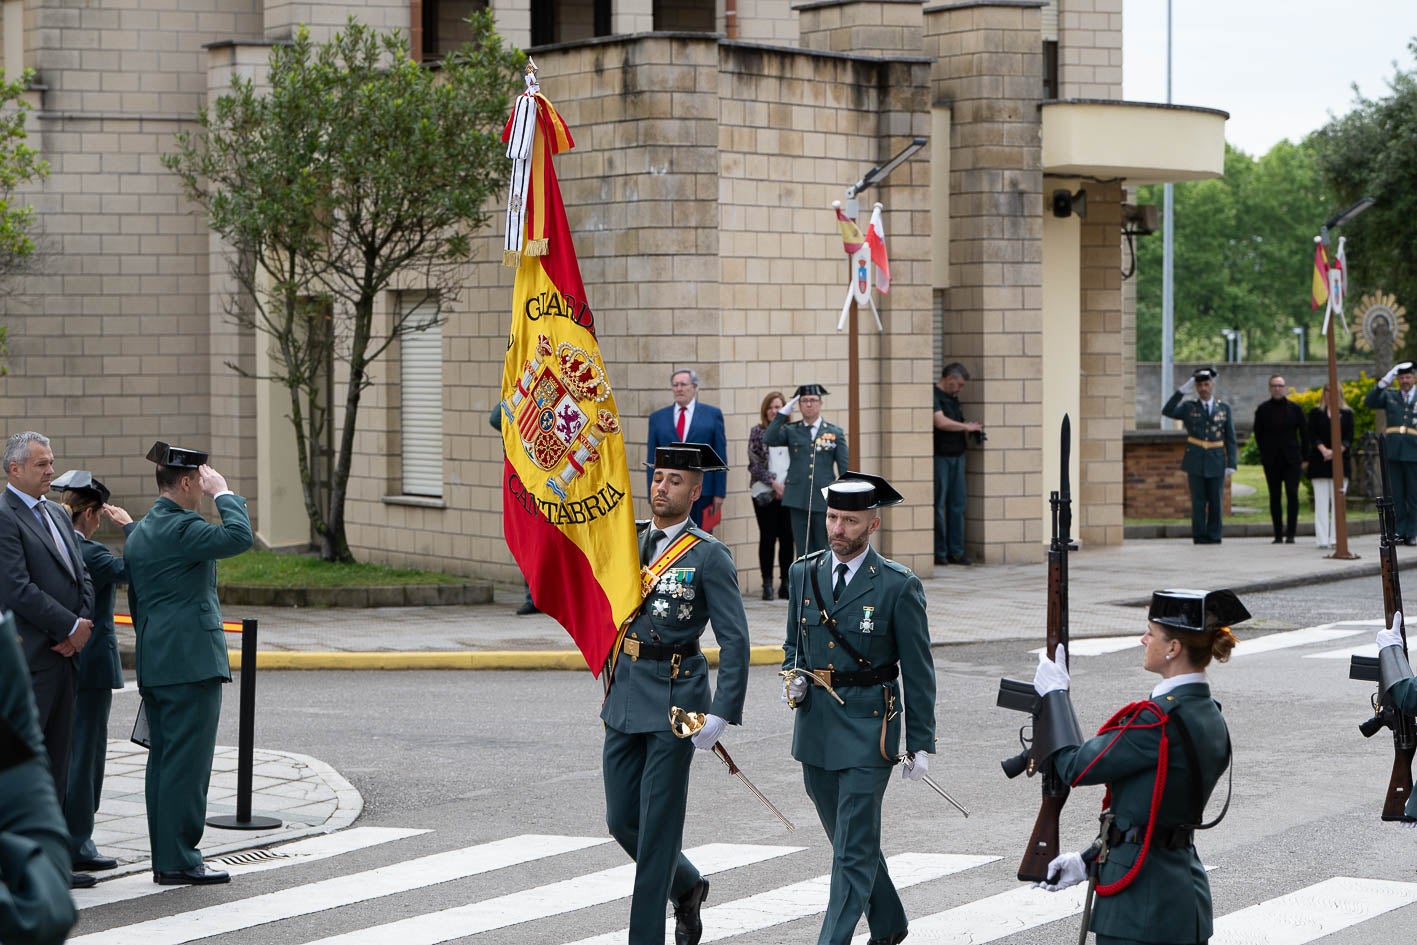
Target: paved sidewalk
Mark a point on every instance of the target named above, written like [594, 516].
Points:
[307, 795]
[986, 602]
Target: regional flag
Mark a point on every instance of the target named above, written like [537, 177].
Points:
[876, 239]
[1318, 293]
[567, 514]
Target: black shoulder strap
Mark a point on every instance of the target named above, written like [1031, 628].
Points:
[829, 621]
[1193, 765]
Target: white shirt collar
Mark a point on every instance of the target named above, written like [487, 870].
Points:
[1184, 679]
[670, 533]
[852, 566]
[688, 414]
[29, 500]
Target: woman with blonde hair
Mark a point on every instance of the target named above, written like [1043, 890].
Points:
[1321, 461]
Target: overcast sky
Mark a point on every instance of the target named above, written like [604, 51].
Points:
[1279, 67]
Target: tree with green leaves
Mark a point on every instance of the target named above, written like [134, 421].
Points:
[1243, 257]
[1372, 152]
[352, 170]
[20, 164]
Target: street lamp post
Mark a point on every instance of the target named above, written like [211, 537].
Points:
[1300, 336]
[1230, 343]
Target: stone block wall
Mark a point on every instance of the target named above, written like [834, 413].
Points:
[1101, 369]
[1090, 49]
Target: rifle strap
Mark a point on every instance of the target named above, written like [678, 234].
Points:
[829, 621]
[1193, 764]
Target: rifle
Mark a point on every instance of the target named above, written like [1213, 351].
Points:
[1365, 668]
[1019, 695]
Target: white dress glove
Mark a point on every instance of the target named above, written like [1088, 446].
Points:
[1391, 637]
[1229, 471]
[788, 407]
[1389, 377]
[1189, 387]
[705, 738]
[794, 688]
[916, 766]
[1066, 870]
[1052, 675]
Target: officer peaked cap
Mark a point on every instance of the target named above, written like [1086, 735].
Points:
[165, 455]
[1405, 367]
[810, 390]
[1196, 611]
[856, 492]
[699, 457]
[1205, 374]
[81, 480]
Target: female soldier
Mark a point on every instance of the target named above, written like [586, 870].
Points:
[1160, 759]
[99, 670]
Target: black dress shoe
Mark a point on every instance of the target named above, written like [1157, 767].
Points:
[688, 927]
[527, 608]
[960, 560]
[782, 591]
[95, 863]
[941, 560]
[1277, 540]
[81, 881]
[197, 875]
[767, 591]
[895, 938]
[1289, 540]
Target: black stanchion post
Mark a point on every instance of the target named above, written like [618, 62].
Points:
[246, 742]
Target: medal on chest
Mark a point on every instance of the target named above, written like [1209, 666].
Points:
[867, 623]
[677, 583]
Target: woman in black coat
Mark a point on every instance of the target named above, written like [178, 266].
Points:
[1321, 462]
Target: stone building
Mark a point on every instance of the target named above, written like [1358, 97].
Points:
[711, 142]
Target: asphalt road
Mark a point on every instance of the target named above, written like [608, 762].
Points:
[479, 757]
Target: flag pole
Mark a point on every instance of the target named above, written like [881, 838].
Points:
[853, 384]
[1335, 437]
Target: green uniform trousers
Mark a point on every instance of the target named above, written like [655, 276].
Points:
[1207, 494]
[810, 535]
[182, 720]
[647, 786]
[87, 752]
[848, 804]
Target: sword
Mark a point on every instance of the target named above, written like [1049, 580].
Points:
[684, 724]
[930, 782]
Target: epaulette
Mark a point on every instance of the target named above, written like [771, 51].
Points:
[895, 566]
[699, 533]
[815, 554]
[641, 524]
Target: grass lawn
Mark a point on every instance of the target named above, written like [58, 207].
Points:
[1253, 476]
[269, 569]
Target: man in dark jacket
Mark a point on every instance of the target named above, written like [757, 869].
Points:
[1283, 439]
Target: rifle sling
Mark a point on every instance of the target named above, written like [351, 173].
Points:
[1193, 766]
[830, 623]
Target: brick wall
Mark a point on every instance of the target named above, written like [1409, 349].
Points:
[1090, 49]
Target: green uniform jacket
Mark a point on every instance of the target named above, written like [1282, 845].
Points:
[1401, 448]
[810, 465]
[1169, 901]
[1217, 427]
[882, 615]
[642, 691]
[99, 666]
[35, 908]
[171, 557]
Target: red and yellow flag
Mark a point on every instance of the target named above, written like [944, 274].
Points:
[567, 513]
[1318, 293]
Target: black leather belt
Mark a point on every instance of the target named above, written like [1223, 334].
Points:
[638, 649]
[866, 677]
[1170, 838]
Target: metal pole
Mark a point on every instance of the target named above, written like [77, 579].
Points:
[853, 383]
[1335, 437]
[1168, 237]
[246, 742]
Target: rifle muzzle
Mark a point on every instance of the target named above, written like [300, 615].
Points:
[1015, 766]
[1372, 726]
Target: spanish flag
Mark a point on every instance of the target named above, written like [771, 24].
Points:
[567, 513]
[1318, 294]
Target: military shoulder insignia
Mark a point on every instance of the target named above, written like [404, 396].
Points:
[895, 566]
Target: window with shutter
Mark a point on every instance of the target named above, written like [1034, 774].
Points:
[421, 404]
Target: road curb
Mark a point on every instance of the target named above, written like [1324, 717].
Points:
[1300, 580]
[457, 659]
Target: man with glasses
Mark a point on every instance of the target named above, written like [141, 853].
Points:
[1283, 438]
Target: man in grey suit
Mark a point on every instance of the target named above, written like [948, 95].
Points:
[44, 582]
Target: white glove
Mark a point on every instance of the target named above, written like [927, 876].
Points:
[1229, 472]
[1052, 675]
[1389, 377]
[1189, 387]
[705, 738]
[916, 766]
[1391, 637]
[1066, 870]
[787, 408]
[794, 688]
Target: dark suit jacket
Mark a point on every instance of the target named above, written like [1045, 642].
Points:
[707, 427]
[45, 596]
[1281, 432]
[171, 557]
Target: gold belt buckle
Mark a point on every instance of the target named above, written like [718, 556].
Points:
[631, 648]
[674, 662]
[824, 678]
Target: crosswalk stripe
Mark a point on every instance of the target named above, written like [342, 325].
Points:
[1362, 649]
[1249, 646]
[1312, 912]
[803, 899]
[553, 899]
[307, 850]
[340, 891]
[1098, 646]
[985, 920]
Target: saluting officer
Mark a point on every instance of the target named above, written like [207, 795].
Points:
[856, 622]
[689, 581]
[1211, 454]
[1173, 746]
[815, 446]
[1400, 415]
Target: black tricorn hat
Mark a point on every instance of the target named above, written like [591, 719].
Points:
[696, 456]
[810, 390]
[81, 480]
[176, 456]
[1405, 367]
[1205, 374]
[857, 491]
[1196, 611]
